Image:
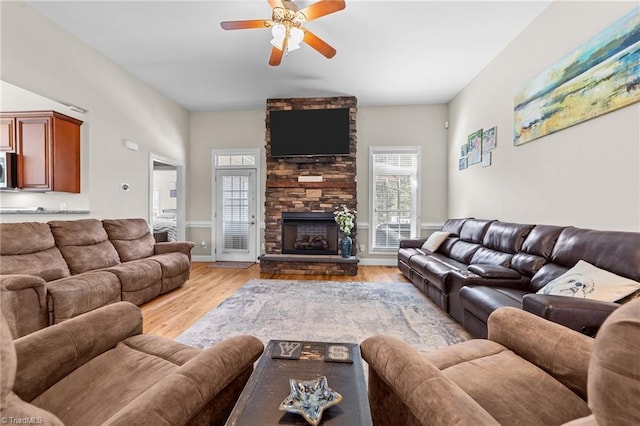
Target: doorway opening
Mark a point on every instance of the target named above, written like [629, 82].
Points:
[166, 199]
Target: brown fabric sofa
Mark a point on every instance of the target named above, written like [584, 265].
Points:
[487, 264]
[82, 372]
[50, 272]
[530, 372]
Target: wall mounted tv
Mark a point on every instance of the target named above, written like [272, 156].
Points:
[309, 132]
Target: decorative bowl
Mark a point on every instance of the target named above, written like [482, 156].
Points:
[310, 398]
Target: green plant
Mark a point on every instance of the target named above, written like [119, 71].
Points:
[345, 218]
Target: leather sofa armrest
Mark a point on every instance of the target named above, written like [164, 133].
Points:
[23, 303]
[583, 315]
[494, 271]
[470, 278]
[412, 242]
[174, 246]
[50, 354]
[405, 387]
[184, 393]
[561, 352]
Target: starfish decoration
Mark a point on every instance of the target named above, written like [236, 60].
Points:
[310, 398]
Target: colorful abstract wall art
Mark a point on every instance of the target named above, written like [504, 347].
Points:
[600, 76]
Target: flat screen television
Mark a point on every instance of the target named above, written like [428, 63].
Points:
[309, 132]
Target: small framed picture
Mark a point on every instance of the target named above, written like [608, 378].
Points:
[474, 143]
[489, 139]
[464, 149]
[486, 159]
[462, 163]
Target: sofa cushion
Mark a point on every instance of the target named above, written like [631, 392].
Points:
[481, 301]
[30, 249]
[84, 244]
[506, 237]
[447, 245]
[453, 226]
[405, 254]
[586, 281]
[140, 280]
[104, 390]
[618, 252]
[77, 294]
[503, 384]
[434, 241]
[463, 251]
[473, 230]
[541, 240]
[494, 271]
[132, 238]
[491, 257]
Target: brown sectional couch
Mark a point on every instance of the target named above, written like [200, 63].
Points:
[50, 272]
[487, 264]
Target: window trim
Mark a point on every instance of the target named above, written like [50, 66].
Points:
[415, 225]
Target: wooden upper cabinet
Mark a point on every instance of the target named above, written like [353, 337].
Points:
[7, 133]
[48, 151]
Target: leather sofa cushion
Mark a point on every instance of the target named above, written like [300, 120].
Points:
[491, 257]
[541, 240]
[453, 226]
[131, 238]
[447, 245]
[30, 249]
[618, 252]
[493, 271]
[548, 272]
[463, 251]
[506, 237]
[405, 254]
[527, 264]
[84, 244]
[473, 230]
[481, 301]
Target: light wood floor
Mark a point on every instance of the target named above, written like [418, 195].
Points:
[172, 313]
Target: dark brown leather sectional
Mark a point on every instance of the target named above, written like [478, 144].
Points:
[487, 264]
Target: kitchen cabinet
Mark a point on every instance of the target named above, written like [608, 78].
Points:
[47, 145]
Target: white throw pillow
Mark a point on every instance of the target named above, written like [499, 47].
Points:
[434, 241]
[586, 281]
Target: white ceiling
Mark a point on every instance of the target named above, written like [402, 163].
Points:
[389, 52]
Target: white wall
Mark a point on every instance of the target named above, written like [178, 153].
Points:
[40, 56]
[587, 175]
[421, 125]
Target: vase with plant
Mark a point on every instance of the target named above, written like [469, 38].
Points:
[345, 218]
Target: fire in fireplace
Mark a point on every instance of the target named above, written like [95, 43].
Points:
[309, 233]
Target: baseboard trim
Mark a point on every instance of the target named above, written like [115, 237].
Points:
[201, 258]
[373, 261]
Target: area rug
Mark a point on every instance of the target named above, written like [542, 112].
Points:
[231, 265]
[329, 312]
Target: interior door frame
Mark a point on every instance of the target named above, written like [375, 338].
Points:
[258, 169]
[181, 195]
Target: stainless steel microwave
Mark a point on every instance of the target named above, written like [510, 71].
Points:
[8, 170]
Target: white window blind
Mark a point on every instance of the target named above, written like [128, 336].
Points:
[235, 212]
[394, 196]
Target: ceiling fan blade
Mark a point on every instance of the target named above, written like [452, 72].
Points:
[243, 25]
[317, 43]
[276, 57]
[322, 8]
[275, 3]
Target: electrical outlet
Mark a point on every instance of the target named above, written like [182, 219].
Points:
[362, 247]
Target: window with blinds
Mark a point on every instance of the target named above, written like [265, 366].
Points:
[394, 196]
[235, 212]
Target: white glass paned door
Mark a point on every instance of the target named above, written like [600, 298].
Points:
[235, 215]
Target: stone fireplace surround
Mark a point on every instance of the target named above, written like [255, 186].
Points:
[307, 185]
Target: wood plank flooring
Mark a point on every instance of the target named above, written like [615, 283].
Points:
[172, 313]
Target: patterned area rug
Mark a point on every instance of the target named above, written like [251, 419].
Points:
[231, 265]
[327, 311]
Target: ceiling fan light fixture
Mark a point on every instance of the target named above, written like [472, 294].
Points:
[279, 32]
[296, 35]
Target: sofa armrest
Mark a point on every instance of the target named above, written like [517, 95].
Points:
[583, 315]
[184, 393]
[471, 278]
[412, 243]
[174, 246]
[50, 354]
[494, 271]
[23, 303]
[561, 352]
[403, 383]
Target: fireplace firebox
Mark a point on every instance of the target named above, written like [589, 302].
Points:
[309, 233]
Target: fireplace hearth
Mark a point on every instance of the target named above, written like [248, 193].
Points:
[309, 233]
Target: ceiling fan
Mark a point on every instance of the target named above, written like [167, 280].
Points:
[286, 26]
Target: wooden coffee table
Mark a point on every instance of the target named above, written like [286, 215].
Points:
[268, 386]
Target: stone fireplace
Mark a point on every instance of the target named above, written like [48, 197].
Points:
[309, 233]
[311, 186]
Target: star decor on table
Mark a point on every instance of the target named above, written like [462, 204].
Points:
[310, 398]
